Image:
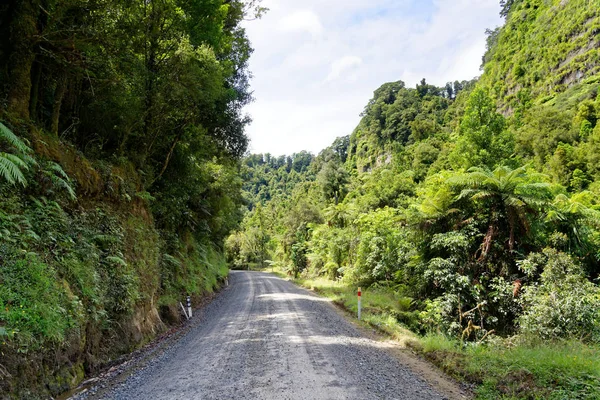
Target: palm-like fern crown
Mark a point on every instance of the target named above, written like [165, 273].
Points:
[573, 209]
[513, 187]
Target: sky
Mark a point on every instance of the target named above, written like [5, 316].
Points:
[316, 63]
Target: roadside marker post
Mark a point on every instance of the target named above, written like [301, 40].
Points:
[359, 305]
[189, 306]
[183, 309]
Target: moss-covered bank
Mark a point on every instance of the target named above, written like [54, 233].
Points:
[84, 280]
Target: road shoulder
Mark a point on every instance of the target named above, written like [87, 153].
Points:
[440, 381]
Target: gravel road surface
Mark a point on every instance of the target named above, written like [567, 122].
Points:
[265, 338]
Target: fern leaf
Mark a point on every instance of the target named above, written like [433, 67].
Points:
[29, 160]
[171, 260]
[57, 169]
[63, 184]
[11, 171]
[118, 261]
[60, 179]
[9, 137]
[16, 160]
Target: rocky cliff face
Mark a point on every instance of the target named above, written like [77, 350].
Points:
[544, 48]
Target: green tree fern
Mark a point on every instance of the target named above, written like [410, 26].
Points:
[511, 197]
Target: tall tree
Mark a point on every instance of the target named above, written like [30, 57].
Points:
[484, 140]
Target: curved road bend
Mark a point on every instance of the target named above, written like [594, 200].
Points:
[265, 338]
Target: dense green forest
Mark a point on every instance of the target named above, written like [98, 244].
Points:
[121, 130]
[471, 212]
[474, 207]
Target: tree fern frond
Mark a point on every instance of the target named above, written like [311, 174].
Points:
[475, 179]
[57, 169]
[12, 165]
[538, 187]
[63, 184]
[171, 260]
[117, 261]
[515, 201]
[466, 193]
[28, 159]
[11, 171]
[13, 140]
[15, 160]
[482, 194]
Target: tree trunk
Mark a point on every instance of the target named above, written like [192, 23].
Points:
[487, 242]
[35, 90]
[23, 31]
[150, 54]
[168, 159]
[61, 88]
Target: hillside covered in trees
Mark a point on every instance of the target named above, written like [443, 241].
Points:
[474, 207]
[470, 213]
[121, 130]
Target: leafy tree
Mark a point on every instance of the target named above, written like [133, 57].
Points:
[483, 139]
[542, 131]
[507, 6]
[333, 179]
[299, 259]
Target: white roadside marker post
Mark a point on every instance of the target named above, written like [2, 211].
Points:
[189, 306]
[359, 305]
[183, 309]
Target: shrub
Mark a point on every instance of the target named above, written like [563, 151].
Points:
[564, 303]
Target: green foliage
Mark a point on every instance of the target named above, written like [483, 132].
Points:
[13, 165]
[544, 48]
[299, 260]
[333, 180]
[59, 179]
[520, 370]
[564, 303]
[469, 209]
[398, 116]
[510, 197]
[134, 112]
[9, 138]
[413, 219]
[33, 304]
[483, 140]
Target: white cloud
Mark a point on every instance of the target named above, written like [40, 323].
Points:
[316, 68]
[342, 65]
[302, 21]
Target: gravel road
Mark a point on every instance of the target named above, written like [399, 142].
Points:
[265, 338]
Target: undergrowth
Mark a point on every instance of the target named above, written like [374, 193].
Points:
[78, 282]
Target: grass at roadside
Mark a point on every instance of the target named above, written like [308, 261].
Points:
[502, 369]
[545, 370]
[381, 309]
